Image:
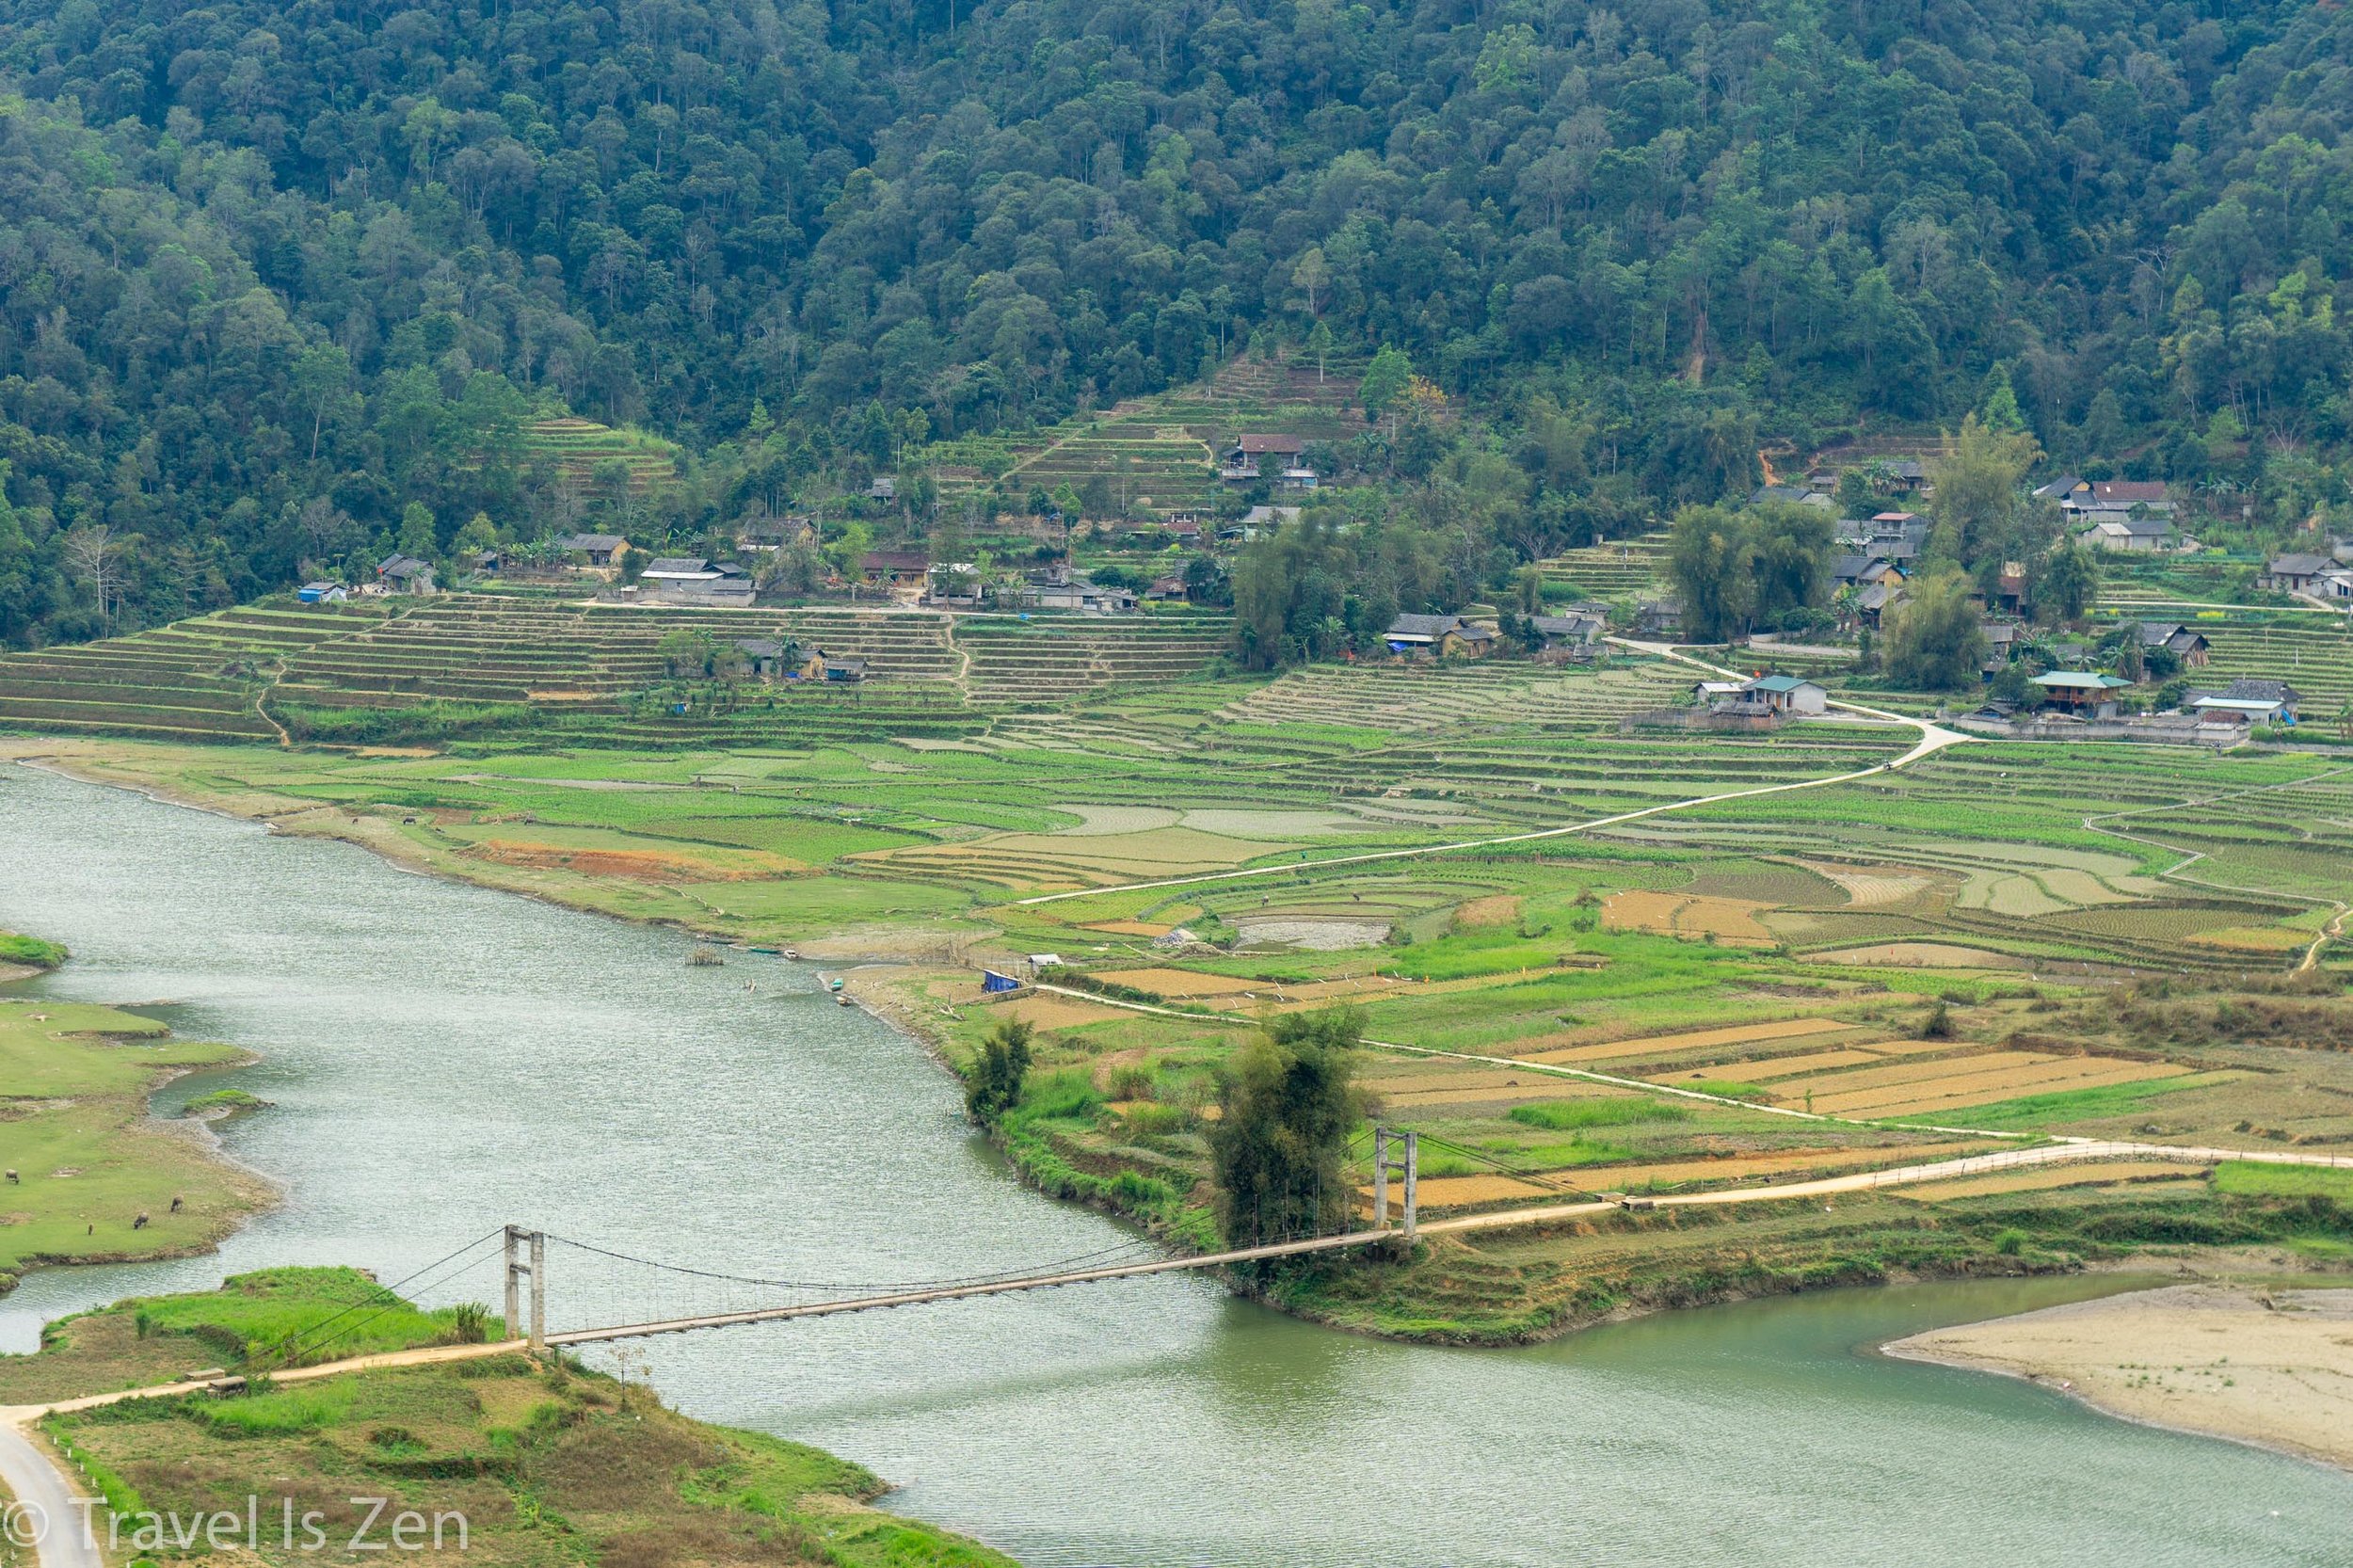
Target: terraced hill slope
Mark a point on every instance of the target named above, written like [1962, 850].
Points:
[1621, 568]
[578, 447]
[521, 666]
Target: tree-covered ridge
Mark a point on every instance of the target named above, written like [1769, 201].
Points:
[270, 272]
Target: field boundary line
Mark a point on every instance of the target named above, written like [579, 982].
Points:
[2328, 933]
[1552, 1069]
[1933, 739]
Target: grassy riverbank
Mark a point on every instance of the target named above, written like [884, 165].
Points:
[2025, 941]
[547, 1463]
[94, 1179]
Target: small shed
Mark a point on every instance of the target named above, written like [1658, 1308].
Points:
[992, 981]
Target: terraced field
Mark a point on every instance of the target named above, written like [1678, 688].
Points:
[196, 679]
[2313, 653]
[1159, 453]
[578, 447]
[1621, 568]
[589, 673]
[1416, 697]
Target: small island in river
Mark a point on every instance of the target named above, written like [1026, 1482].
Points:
[2272, 1367]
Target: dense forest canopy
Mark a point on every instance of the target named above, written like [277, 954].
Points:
[279, 281]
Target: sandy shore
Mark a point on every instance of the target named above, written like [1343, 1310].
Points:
[2271, 1366]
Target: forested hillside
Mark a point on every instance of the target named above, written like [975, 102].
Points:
[281, 281]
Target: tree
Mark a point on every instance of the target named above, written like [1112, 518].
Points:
[2065, 586]
[417, 533]
[1278, 1151]
[1386, 381]
[1978, 503]
[993, 1086]
[685, 653]
[1713, 566]
[2000, 412]
[1791, 546]
[92, 553]
[1310, 276]
[1935, 638]
[1319, 344]
[846, 551]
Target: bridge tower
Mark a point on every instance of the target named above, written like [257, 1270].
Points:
[1411, 1165]
[533, 1244]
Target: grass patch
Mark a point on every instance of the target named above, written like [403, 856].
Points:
[1564, 1115]
[2249, 1178]
[30, 950]
[2065, 1106]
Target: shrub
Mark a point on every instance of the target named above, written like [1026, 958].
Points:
[1563, 1115]
[2011, 1242]
[998, 1072]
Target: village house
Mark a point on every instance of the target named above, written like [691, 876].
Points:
[2123, 495]
[1248, 460]
[775, 534]
[885, 568]
[733, 589]
[1063, 592]
[2294, 572]
[1437, 637]
[599, 550]
[1568, 636]
[404, 574]
[768, 658]
[2189, 647]
[2003, 639]
[1873, 603]
[2010, 589]
[692, 580]
[1658, 618]
[321, 593]
[1788, 694]
[2258, 701]
[2134, 534]
[1791, 495]
[843, 672]
[883, 489]
[2086, 694]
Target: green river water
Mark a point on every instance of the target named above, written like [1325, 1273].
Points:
[443, 1060]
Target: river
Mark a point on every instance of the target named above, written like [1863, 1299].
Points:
[445, 1058]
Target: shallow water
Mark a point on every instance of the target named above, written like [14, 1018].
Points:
[445, 1059]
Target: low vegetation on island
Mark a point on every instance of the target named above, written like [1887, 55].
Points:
[535, 1459]
[91, 1176]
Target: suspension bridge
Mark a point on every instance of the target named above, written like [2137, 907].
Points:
[643, 1297]
[524, 1256]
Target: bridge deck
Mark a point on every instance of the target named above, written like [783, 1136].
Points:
[956, 1292]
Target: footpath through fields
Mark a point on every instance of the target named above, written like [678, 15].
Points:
[1933, 739]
